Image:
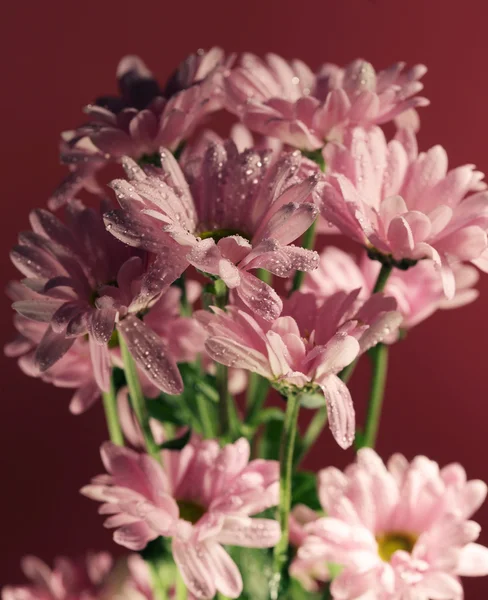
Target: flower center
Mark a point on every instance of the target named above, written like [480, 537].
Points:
[190, 511]
[218, 234]
[389, 543]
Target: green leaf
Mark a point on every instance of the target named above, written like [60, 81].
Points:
[177, 443]
[297, 592]
[271, 440]
[256, 568]
[304, 490]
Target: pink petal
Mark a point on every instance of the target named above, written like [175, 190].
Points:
[198, 580]
[259, 297]
[222, 569]
[151, 355]
[249, 533]
[100, 358]
[51, 348]
[473, 561]
[342, 420]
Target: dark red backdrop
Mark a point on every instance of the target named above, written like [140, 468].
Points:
[58, 55]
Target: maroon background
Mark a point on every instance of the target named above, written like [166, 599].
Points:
[58, 55]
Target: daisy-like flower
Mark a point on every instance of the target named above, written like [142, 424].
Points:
[418, 291]
[405, 206]
[400, 531]
[302, 351]
[82, 282]
[202, 498]
[232, 214]
[288, 101]
[89, 578]
[143, 118]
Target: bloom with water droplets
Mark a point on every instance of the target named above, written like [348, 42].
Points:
[83, 283]
[232, 213]
[202, 498]
[141, 119]
[404, 206]
[89, 578]
[304, 350]
[288, 101]
[418, 291]
[400, 531]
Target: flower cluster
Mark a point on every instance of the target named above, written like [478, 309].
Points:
[193, 277]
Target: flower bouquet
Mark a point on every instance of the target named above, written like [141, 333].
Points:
[190, 297]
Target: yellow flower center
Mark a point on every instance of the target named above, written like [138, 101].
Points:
[190, 511]
[389, 543]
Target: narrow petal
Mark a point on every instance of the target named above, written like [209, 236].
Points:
[151, 355]
[342, 419]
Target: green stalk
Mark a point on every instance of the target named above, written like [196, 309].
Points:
[308, 243]
[181, 591]
[314, 429]
[138, 401]
[111, 414]
[227, 410]
[379, 357]
[379, 286]
[257, 392]
[288, 439]
[158, 589]
[383, 275]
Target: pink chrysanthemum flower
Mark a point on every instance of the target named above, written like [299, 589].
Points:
[418, 291]
[235, 214]
[306, 349]
[88, 579]
[142, 119]
[404, 206]
[203, 498]
[400, 531]
[288, 101]
[184, 338]
[83, 282]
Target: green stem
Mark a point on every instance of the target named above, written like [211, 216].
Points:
[257, 392]
[264, 275]
[308, 243]
[379, 357]
[286, 469]
[138, 401]
[181, 591]
[111, 414]
[227, 409]
[383, 275]
[379, 286]
[311, 435]
[158, 589]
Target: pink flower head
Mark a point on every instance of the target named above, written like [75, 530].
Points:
[82, 282]
[202, 498]
[142, 118]
[405, 206]
[303, 351]
[418, 291]
[233, 214]
[288, 101]
[86, 579]
[400, 531]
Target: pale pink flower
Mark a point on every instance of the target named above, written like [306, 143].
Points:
[404, 206]
[418, 291]
[304, 350]
[142, 118]
[233, 214]
[202, 498]
[288, 101]
[82, 282]
[87, 579]
[400, 531]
